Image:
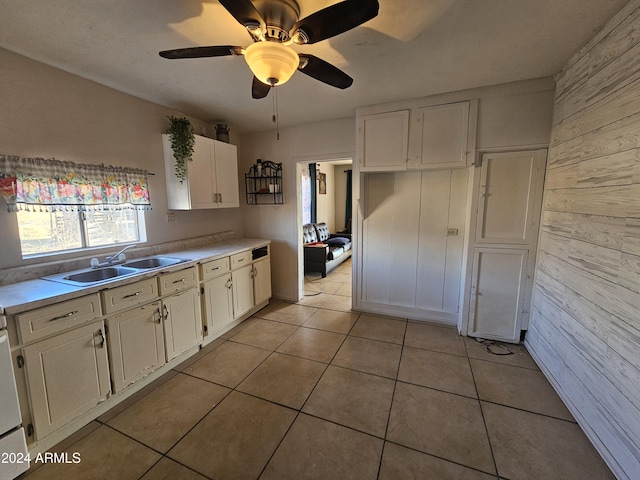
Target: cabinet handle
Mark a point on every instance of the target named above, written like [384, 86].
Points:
[101, 344]
[220, 197]
[166, 312]
[66, 315]
[178, 281]
[229, 284]
[159, 316]
[137, 294]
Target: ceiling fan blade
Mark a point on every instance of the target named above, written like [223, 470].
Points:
[334, 20]
[243, 11]
[259, 89]
[325, 72]
[199, 52]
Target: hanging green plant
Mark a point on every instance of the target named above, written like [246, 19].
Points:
[182, 141]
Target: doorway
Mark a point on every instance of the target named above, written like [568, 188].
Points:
[323, 196]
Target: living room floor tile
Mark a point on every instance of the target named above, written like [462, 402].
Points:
[315, 449]
[441, 371]
[284, 379]
[167, 469]
[527, 445]
[338, 302]
[442, 424]
[313, 344]
[236, 440]
[385, 329]
[518, 387]
[102, 456]
[508, 354]
[332, 321]
[155, 420]
[354, 399]
[228, 364]
[369, 356]
[265, 334]
[432, 337]
[401, 462]
[292, 313]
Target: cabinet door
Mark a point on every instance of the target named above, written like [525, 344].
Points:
[441, 136]
[201, 175]
[67, 375]
[242, 280]
[182, 322]
[383, 141]
[218, 303]
[136, 344]
[510, 197]
[226, 173]
[262, 280]
[497, 293]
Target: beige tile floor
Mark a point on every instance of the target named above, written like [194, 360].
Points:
[315, 391]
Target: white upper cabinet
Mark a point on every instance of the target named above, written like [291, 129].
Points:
[383, 140]
[442, 136]
[212, 176]
[422, 138]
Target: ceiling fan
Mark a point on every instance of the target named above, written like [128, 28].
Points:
[273, 26]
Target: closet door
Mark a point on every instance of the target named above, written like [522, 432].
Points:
[497, 293]
[508, 219]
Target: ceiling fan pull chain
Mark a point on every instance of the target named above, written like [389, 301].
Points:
[274, 117]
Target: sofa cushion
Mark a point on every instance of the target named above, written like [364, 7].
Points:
[335, 252]
[322, 230]
[309, 234]
[337, 241]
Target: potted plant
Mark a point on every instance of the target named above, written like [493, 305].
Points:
[182, 141]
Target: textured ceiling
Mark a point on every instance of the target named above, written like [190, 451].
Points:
[413, 48]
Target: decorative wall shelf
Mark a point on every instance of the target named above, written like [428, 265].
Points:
[263, 184]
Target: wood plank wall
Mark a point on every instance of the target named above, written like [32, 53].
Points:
[585, 324]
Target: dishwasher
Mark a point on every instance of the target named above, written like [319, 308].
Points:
[13, 446]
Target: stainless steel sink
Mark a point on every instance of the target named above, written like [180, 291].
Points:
[154, 262]
[89, 277]
[100, 274]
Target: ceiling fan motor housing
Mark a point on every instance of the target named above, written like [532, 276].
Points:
[279, 16]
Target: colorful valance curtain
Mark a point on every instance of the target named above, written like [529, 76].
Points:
[38, 184]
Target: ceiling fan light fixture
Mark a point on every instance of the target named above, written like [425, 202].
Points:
[271, 62]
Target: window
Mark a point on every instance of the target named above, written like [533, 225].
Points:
[62, 206]
[59, 231]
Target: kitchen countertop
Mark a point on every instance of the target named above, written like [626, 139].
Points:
[21, 297]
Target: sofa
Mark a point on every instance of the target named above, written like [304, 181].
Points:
[324, 251]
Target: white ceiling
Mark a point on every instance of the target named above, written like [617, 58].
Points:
[413, 48]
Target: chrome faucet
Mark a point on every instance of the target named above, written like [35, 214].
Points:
[110, 260]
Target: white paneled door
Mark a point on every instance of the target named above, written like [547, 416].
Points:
[508, 219]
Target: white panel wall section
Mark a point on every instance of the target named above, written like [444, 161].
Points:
[585, 324]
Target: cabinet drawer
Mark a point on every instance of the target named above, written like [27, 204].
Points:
[214, 268]
[129, 295]
[176, 281]
[56, 318]
[240, 260]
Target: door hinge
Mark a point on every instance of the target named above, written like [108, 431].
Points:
[20, 360]
[113, 387]
[30, 430]
[106, 329]
[205, 329]
[201, 290]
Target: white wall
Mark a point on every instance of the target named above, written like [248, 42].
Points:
[585, 324]
[327, 202]
[328, 140]
[50, 113]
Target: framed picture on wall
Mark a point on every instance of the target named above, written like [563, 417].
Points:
[322, 183]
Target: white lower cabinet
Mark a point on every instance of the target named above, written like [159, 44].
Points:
[182, 322]
[67, 375]
[242, 280]
[261, 280]
[136, 344]
[218, 303]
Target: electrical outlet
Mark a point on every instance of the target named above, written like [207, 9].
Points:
[171, 217]
[451, 232]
